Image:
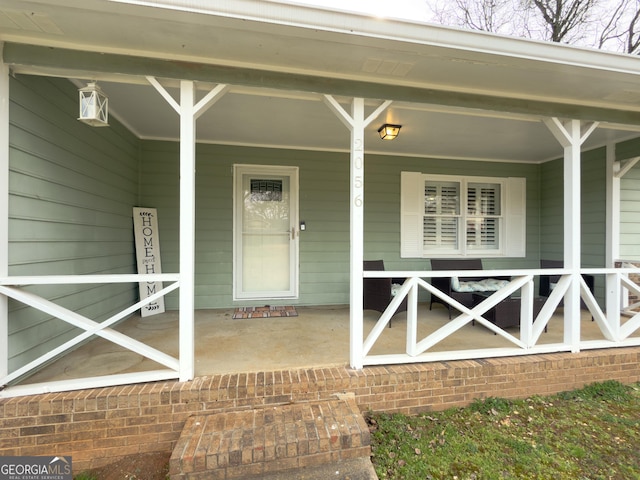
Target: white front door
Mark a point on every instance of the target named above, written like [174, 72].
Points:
[265, 232]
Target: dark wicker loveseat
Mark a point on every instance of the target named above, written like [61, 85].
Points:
[444, 283]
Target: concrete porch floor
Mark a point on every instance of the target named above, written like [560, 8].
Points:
[318, 336]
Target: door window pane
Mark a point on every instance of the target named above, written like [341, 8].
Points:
[266, 190]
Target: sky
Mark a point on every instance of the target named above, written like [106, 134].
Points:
[406, 9]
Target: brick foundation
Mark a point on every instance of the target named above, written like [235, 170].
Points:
[96, 427]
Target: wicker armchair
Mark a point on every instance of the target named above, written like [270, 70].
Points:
[547, 282]
[377, 291]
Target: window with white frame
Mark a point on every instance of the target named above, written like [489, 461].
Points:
[462, 216]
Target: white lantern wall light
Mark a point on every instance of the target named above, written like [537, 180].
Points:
[94, 106]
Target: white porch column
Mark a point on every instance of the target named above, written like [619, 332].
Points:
[4, 213]
[356, 249]
[356, 123]
[187, 229]
[189, 111]
[572, 233]
[571, 137]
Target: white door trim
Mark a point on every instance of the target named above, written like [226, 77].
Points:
[238, 171]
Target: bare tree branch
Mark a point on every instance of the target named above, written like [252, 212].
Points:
[610, 24]
[564, 16]
[633, 36]
[495, 16]
[610, 30]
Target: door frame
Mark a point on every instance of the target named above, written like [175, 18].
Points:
[294, 254]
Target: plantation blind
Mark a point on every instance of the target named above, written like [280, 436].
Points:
[483, 216]
[441, 215]
[462, 216]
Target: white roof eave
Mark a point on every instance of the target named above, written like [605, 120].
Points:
[283, 13]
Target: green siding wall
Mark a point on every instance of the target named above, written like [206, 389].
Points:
[552, 213]
[593, 209]
[324, 206]
[71, 190]
[629, 203]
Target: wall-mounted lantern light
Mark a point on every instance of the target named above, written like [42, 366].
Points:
[94, 106]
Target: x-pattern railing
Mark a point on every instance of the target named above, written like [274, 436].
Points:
[615, 331]
[13, 287]
[624, 330]
[531, 329]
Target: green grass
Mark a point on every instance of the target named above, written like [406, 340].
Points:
[592, 433]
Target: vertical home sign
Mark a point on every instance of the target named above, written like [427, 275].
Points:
[145, 223]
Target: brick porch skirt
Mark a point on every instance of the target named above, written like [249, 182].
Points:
[97, 427]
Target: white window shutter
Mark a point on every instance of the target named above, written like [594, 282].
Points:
[411, 214]
[516, 217]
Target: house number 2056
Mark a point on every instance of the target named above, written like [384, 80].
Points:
[357, 180]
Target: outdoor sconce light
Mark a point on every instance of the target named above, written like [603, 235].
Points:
[389, 131]
[94, 106]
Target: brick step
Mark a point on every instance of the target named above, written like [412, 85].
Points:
[298, 440]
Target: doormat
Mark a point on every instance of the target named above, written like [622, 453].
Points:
[265, 312]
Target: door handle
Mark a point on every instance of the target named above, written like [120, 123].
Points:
[293, 233]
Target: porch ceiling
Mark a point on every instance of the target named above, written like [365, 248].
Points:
[457, 94]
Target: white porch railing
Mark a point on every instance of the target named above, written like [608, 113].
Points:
[617, 329]
[630, 309]
[12, 288]
[615, 332]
